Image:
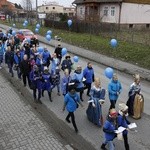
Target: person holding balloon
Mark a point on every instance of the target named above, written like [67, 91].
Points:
[114, 90]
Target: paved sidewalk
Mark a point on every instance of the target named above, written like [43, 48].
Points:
[20, 127]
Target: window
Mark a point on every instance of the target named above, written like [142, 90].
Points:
[53, 7]
[112, 11]
[46, 7]
[81, 11]
[130, 25]
[147, 25]
[105, 11]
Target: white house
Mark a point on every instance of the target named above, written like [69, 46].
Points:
[125, 12]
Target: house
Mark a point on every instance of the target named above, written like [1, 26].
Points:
[54, 9]
[123, 12]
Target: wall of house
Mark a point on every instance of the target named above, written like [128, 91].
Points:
[109, 18]
[51, 9]
[81, 12]
[135, 13]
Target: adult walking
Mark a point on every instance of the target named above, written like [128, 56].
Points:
[78, 79]
[114, 90]
[25, 69]
[58, 51]
[109, 128]
[136, 100]
[88, 74]
[123, 122]
[71, 101]
[94, 111]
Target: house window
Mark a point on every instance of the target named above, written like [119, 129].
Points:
[105, 11]
[53, 7]
[46, 7]
[112, 11]
[81, 11]
[130, 25]
[147, 25]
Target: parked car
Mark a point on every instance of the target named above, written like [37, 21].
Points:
[26, 33]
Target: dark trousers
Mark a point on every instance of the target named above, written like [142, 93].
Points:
[112, 103]
[71, 114]
[10, 66]
[24, 76]
[88, 87]
[126, 144]
[39, 93]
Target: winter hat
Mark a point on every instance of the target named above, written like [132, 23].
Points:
[123, 107]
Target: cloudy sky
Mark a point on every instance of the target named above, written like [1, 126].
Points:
[40, 2]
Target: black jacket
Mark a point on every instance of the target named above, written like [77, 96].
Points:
[25, 67]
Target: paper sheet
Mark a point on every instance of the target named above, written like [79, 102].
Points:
[132, 126]
[120, 129]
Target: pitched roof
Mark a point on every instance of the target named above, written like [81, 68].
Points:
[95, 1]
[138, 1]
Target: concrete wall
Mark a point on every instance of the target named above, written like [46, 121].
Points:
[135, 14]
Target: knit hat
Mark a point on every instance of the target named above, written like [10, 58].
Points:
[123, 107]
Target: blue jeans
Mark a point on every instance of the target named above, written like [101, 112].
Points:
[110, 145]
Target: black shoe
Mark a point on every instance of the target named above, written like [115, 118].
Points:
[39, 101]
[76, 130]
[68, 120]
[103, 146]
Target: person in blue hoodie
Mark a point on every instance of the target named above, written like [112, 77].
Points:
[124, 122]
[114, 90]
[88, 74]
[78, 79]
[109, 128]
[46, 84]
[71, 101]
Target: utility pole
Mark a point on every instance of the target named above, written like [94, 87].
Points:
[37, 10]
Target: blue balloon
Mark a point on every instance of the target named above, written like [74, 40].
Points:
[49, 32]
[69, 23]
[13, 33]
[9, 34]
[76, 58]
[36, 30]
[28, 40]
[26, 22]
[64, 51]
[40, 50]
[38, 26]
[48, 37]
[113, 43]
[4, 35]
[109, 72]
[14, 25]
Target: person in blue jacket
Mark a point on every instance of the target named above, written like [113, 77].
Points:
[40, 62]
[124, 122]
[36, 80]
[109, 128]
[1, 53]
[46, 57]
[78, 78]
[17, 61]
[71, 101]
[65, 81]
[46, 84]
[88, 74]
[114, 90]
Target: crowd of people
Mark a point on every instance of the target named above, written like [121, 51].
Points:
[41, 72]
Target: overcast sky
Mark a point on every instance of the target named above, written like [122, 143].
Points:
[40, 2]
